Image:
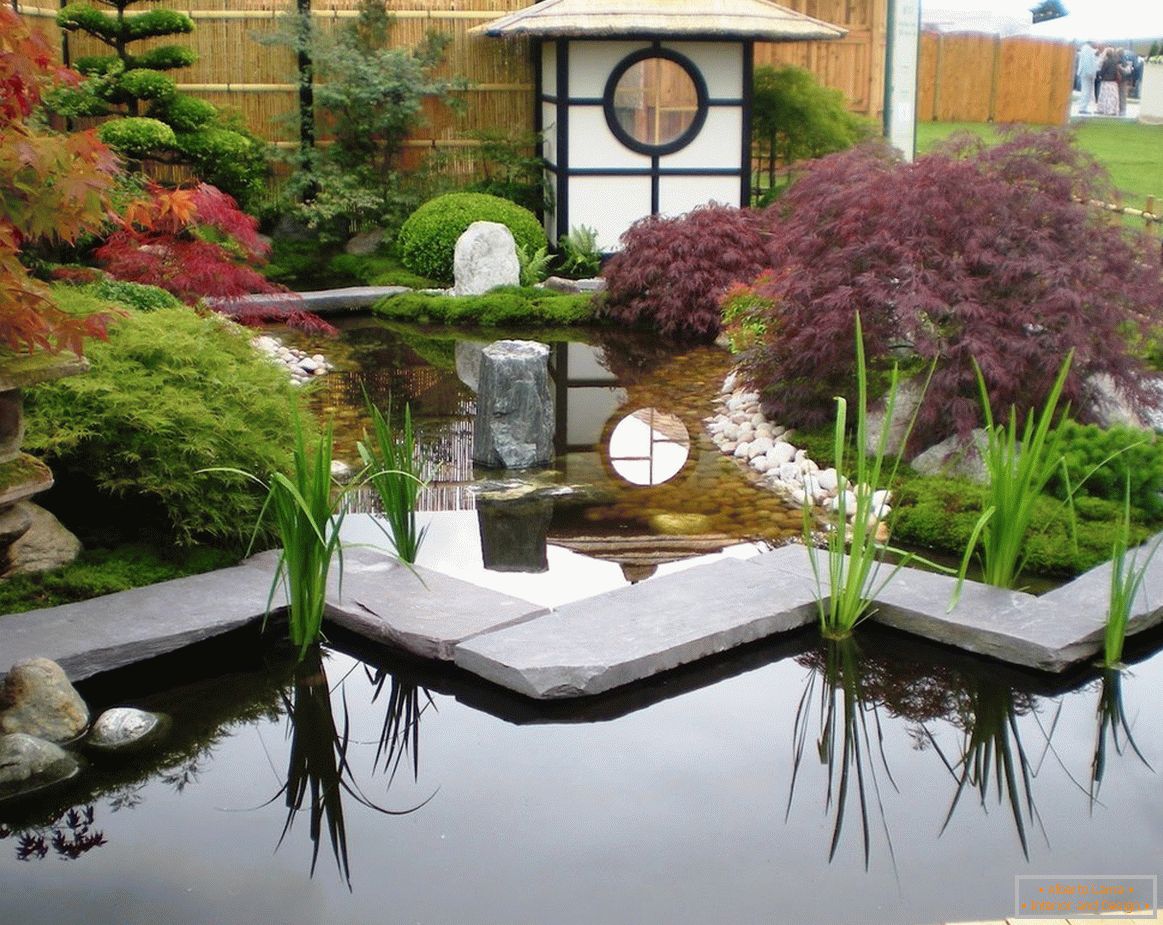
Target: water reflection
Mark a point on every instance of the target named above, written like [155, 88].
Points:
[1113, 725]
[649, 447]
[846, 744]
[319, 773]
[69, 836]
[992, 753]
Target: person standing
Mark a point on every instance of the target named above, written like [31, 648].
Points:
[1086, 69]
[1108, 76]
[1126, 78]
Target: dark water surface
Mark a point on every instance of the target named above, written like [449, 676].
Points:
[787, 782]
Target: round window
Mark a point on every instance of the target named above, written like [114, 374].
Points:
[656, 101]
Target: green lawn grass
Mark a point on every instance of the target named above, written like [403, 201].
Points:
[1131, 152]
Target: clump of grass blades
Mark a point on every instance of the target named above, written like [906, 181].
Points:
[1127, 577]
[395, 472]
[854, 564]
[307, 516]
[1018, 470]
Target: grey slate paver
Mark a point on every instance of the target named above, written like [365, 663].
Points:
[115, 630]
[421, 611]
[321, 301]
[635, 632]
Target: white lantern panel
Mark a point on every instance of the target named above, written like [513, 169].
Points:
[677, 195]
[720, 63]
[610, 205]
[592, 144]
[549, 68]
[590, 65]
[718, 144]
[549, 132]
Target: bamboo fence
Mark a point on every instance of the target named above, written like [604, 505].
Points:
[970, 77]
[239, 74]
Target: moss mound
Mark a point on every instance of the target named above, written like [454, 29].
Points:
[506, 306]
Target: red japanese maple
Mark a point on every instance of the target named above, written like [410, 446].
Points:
[196, 243]
[51, 187]
[970, 253]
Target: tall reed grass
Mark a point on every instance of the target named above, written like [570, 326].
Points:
[396, 473]
[1018, 470]
[1127, 575]
[849, 581]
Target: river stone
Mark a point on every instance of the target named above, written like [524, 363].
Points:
[37, 699]
[513, 427]
[954, 456]
[485, 258]
[14, 523]
[122, 729]
[46, 544]
[29, 763]
[365, 243]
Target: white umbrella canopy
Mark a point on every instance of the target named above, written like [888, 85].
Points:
[734, 19]
[1100, 20]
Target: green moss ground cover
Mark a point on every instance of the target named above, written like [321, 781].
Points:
[507, 306]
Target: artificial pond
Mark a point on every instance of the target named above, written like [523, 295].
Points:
[882, 780]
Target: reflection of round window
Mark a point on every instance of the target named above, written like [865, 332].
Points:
[649, 447]
[656, 101]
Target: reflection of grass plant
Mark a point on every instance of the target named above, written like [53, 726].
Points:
[401, 729]
[844, 740]
[1112, 719]
[1018, 470]
[854, 563]
[1126, 581]
[988, 757]
[395, 474]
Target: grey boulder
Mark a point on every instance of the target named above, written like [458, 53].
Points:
[121, 729]
[513, 427]
[485, 258]
[37, 699]
[28, 763]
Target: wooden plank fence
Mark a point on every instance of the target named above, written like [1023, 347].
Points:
[971, 77]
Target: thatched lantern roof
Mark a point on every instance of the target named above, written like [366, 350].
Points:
[757, 20]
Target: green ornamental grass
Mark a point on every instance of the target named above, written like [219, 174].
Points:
[1019, 470]
[395, 472]
[1127, 577]
[853, 564]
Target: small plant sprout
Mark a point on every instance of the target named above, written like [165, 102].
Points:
[580, 255]
[1127, 575]
[307, 516]
[1019, 470]
[395, 472]
[847, 593]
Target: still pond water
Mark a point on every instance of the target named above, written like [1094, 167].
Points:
[883, 781]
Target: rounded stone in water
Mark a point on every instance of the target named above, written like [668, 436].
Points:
[126, 729]
[28, 763]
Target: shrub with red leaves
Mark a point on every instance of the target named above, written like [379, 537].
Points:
[197, 244]
[969, 253]
[672, 272]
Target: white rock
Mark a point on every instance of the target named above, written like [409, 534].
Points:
[760, 463]
[308, 365]
[485, 258]
[741, 451]
[789, 472]
[781, 453]
[729, 382]
[849, 503]
[827, 479]
[730, 431]
[760, 446]
[757, 418]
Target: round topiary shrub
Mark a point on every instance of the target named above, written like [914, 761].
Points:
[170, 394]
[427, 240]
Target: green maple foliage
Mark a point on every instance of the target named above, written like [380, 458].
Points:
[52, 187]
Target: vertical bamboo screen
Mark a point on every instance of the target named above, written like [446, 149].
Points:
[968, 77]
[237, 74]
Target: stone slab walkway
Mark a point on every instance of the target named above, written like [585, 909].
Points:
[585, 647]
[641, 630]
[321, 301]
[104, 633]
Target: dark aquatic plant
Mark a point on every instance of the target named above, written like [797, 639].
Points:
[1112, 723]
[318, 768]
[992, 754]
[395, 471]
[400, 734]
[845, 741]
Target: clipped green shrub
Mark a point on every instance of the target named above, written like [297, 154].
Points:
[143, 84]
[513, 305]
[1139, 457]
[165, 58]
[232, 160]
[376, 270]
[428, 238]
[187, 113]
[142, 297]
[170, 393]
[136, 136]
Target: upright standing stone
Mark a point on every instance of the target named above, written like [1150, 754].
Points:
[513, 427]
[485, 258]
